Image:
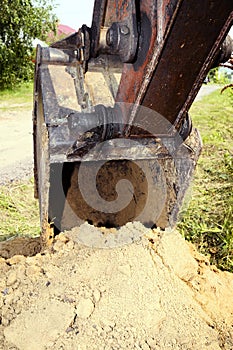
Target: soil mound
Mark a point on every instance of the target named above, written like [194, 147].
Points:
[155, 293]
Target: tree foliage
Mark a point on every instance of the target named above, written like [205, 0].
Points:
[20, 22]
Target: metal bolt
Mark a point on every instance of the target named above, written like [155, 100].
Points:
[124, 30]
[109, 37]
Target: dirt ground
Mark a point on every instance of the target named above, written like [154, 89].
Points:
[155, 293]
[16, 144]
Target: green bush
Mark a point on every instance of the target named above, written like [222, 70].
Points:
[20, 23]
[217, 76]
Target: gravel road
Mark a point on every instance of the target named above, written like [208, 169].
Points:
[206, 90]
[16, 150]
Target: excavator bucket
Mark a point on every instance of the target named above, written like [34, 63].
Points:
[113, 140]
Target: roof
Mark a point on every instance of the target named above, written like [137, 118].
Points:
[64, 29]
[61, 32]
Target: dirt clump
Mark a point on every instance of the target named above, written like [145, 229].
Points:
[155, 293]
[20, 246]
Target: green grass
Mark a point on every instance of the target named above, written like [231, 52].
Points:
[19, 213]
[14, 97]
[208, 221]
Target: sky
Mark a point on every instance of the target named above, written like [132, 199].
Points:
[74, 13]
[231, 32]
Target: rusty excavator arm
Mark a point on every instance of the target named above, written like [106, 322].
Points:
[113, 140]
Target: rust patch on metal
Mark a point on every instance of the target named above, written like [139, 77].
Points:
[47, 234]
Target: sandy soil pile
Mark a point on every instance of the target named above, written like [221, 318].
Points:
[156, 293]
